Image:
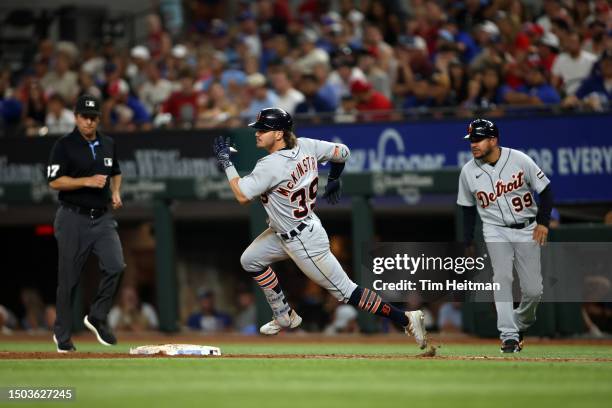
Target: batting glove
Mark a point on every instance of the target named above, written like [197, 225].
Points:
[221, 148]
[333, 191]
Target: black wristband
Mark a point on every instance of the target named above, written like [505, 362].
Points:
[545, 207]
[469, 224]
[335, 171]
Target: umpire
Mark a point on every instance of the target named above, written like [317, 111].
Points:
[83, 167]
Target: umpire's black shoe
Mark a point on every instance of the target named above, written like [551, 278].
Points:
[64, 347]
[510, 346]
[103, 333]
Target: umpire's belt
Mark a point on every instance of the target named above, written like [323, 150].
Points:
[294, 232]
[93, 213]
[523, 224]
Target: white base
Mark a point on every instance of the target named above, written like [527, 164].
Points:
[177, 350]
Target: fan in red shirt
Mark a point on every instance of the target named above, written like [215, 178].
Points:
[184, 104]
[371, 104]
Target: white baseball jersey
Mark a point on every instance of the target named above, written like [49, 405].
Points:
[287, 182]
[502, 192]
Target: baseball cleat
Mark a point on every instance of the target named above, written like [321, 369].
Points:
[416, 327]
[65, 347]
[283, 320]
[510, 346]
[273, 327]
[278, 303]
[101, 330]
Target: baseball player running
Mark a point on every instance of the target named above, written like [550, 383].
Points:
[500, 182]
[286, 181]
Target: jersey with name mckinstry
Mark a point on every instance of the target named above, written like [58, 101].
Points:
[287, 182]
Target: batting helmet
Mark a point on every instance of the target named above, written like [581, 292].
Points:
[481, 129]
[272, 119]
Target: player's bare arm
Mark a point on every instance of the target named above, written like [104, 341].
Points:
[540, 234]
[116, 191]
[66, 183]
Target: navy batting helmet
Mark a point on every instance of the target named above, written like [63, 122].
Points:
[481, 129]
[272, 119]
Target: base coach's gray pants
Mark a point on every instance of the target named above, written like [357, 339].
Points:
[77, 236]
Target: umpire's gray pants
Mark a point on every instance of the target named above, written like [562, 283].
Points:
[77, 237]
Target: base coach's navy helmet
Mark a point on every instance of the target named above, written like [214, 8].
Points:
[272, 119]
[481, 129]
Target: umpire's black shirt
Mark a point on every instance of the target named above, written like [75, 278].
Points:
[74, 156]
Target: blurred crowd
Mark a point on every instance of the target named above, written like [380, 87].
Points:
[321, 312]
[341, 61]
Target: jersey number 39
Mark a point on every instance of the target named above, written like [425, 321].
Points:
[305, 203]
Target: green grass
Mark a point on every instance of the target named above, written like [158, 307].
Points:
[372, 383]
[409, 349]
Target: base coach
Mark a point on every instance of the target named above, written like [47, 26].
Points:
[83, 167]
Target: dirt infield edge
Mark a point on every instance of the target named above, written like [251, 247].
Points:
[12, 355]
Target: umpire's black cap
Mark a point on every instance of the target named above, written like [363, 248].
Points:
[273, 119]
[87, 105]
[479, 129]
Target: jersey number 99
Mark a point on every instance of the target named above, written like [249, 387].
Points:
[303, 201]
[520, 203]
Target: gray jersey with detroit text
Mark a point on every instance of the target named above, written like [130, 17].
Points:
[287, 182]
[502, 192]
